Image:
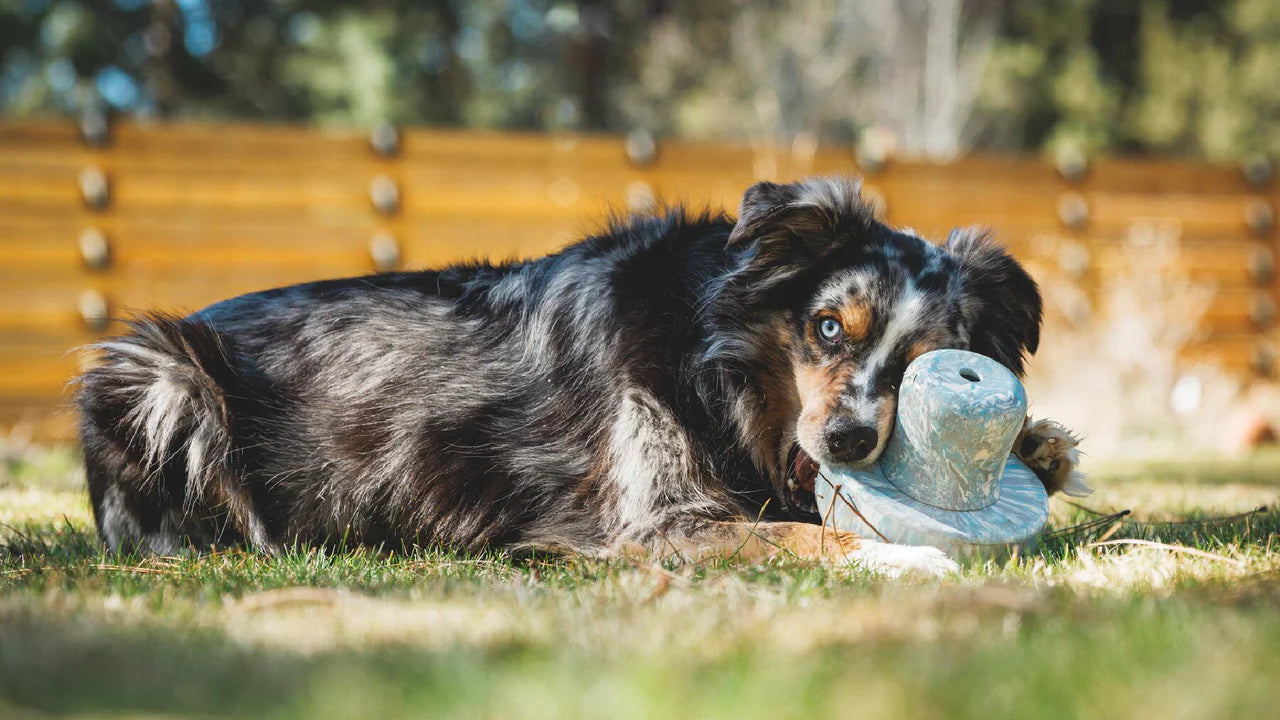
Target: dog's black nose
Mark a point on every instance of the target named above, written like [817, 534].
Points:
[849, 442]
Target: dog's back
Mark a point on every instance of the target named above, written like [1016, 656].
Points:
[472, 406]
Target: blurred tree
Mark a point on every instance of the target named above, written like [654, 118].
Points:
[1171, 77]
[1208, 80]
[936, 76]
[512, 63]
[817, 67]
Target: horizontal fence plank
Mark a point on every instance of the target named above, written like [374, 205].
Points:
[145, 145]
[39, 419]
[198, 213]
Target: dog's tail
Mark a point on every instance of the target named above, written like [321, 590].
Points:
[161, 394]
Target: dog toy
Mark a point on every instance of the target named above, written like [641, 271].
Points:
[946, 477]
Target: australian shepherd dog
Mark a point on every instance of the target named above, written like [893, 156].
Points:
[664, 389]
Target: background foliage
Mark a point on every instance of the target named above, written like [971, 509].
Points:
[935, 77]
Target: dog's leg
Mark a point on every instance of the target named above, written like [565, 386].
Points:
[757, 542]
[1051, 451]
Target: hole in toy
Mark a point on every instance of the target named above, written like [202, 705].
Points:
[969, 375]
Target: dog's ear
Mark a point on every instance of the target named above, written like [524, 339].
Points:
[762, 207]
[791, 227]
[1002, 305]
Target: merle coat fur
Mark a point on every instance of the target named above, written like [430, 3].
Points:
[649, 387]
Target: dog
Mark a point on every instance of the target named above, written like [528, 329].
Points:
[661, 389]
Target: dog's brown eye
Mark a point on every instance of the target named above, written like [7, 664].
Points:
[830, 329]
[1053, 466]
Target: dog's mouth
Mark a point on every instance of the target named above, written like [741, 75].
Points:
[801, 474]
[804, 469]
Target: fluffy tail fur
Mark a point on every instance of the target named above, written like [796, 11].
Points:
[158, 439]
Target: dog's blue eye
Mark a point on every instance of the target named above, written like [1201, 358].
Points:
[830, 329]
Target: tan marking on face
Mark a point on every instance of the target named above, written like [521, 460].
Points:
[767, 418]
[819, 388]
[919, 349]
[885, 417]
[856, 319]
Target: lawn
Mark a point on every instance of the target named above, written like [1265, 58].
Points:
[1078, 629]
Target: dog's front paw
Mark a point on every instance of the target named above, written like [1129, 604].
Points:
[898, 560]
[1052, 452]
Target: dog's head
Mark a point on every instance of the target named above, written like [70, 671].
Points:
[862, 300]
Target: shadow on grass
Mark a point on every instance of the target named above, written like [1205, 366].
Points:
[1125, 657]
[67, 667]
[48, 544]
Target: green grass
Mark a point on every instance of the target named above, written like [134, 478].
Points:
[1073, 630]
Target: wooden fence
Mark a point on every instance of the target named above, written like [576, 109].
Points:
[178, 216]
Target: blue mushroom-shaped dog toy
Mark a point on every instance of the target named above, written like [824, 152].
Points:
[946, 477]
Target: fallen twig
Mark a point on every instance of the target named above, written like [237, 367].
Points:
[140, 570]
[1091, 525]
[1111, 531]
[1172, 548]
[836, 489]
[822, 544]
[1204, 521]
